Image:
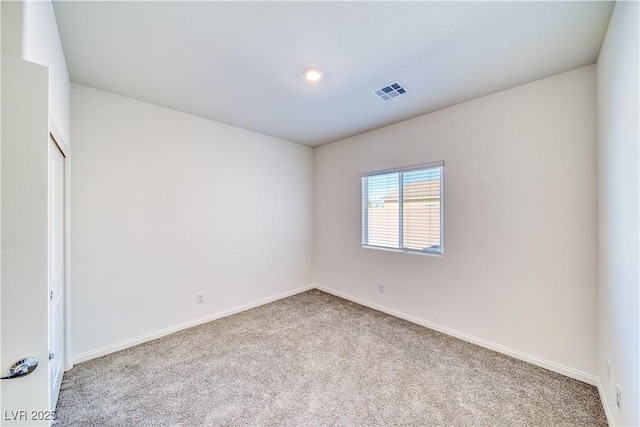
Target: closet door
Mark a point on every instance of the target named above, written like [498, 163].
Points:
[57, 232]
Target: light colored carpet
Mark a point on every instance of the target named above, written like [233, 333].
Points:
[317, 360]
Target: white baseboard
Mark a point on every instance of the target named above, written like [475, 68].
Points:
[547, 364]
[605, 403]
[82, 357]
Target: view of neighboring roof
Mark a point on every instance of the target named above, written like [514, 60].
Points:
[417, 190]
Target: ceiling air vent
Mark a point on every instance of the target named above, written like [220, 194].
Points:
[390, 91]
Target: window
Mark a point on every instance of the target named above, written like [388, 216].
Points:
[403, 210]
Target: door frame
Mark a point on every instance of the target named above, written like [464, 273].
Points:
[56, 136]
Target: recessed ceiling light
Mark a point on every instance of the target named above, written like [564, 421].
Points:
[313, 74]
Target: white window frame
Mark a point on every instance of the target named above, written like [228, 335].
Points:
[364, 209]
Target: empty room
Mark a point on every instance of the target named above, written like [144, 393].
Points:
[320, 213]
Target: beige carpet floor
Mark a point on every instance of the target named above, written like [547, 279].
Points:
[317, 360]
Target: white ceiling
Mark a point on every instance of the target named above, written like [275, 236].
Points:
[241, 63]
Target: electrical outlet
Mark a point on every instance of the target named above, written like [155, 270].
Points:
[200, 297]
[609, 371]
[618, 397]
[381, 288]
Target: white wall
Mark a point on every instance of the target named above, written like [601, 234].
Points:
[166, 204]
[12, 24]
[30, 31]
[519, 270]
[619, 213]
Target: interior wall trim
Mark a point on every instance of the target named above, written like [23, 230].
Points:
[605, 403]
[543, 363]
[538, 361]
[102, 351]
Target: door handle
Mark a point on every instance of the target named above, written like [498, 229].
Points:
[21, 368]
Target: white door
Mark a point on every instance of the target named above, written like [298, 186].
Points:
[25, 236]
[56, 269]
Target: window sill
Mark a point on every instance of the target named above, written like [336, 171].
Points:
[406, 251]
